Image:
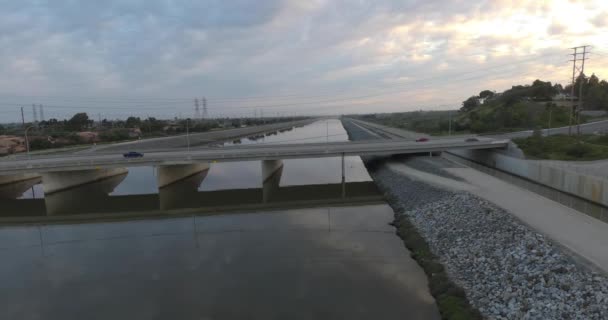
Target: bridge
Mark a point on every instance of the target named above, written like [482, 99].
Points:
[242, 153]
[67, 171]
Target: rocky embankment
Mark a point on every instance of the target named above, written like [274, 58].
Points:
[507, 270]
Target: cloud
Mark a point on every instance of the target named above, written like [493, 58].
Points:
[556, 28]
[600, 20]
[403, 53]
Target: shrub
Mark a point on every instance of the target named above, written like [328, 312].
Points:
[578, 150]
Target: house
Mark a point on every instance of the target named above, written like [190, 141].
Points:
[11, 144]
[563, 96]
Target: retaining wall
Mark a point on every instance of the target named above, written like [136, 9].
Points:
[564, 176]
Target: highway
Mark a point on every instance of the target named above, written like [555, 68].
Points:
[397, 133]
[586, 128]
[242, 153]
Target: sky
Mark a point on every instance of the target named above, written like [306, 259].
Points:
[113, 59]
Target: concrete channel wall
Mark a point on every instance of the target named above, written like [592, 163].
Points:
[577, 179]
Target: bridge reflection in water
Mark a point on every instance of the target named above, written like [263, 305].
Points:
[93, 200]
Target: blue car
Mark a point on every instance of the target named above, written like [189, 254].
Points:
[133, 154]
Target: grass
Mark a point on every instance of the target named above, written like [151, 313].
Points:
[564, 147]
[450, 298]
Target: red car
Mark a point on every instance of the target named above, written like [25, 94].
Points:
[423, 139]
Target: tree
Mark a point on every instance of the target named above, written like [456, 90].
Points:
[593, 81]
[558, 88]
[78, 122]
[133, 122]
[470, 104]
[486, 94]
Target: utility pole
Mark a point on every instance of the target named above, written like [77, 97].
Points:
[188, 134]
[549, 126]
[450, 123]
[574, 112]
[22, 118]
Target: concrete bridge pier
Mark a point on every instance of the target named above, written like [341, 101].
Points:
[182, 193]
[14, 185]
[92, 197]
[272, 170]
[168, 174]
[63, 180]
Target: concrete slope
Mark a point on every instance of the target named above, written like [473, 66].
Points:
[583, 235]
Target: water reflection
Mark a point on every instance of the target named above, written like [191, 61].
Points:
[95, 200]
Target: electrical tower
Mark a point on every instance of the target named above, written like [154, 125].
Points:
[205, 114]
[197, 111]
[41, 112]
[575, 111]
[35, 113]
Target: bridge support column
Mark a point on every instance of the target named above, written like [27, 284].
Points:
[182, 193]
[91, 197]
[343, 178]
[62, 180]
[272, 170]
[14, 185]
[169, 174]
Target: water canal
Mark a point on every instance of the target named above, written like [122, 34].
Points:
[320, 261]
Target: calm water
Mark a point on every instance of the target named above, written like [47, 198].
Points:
[241, 182]
[319, 262]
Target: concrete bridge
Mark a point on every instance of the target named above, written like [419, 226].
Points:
[67, 171]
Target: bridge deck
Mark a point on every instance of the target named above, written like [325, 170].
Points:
[242, 153]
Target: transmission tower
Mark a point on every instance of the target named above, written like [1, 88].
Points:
[577, 56]
[205, 114]
[197, 111]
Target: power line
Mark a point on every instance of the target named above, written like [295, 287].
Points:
[347, 98]
[245, 99]
[427, 85]
[326, 101]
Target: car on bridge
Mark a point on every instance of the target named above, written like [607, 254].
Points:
[471, 140]
[133, 154]
[422, 139]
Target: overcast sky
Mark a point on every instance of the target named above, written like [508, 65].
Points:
[153, 57]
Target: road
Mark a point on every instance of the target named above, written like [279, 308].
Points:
[586, 128]
[243, 153]
[396, 133]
